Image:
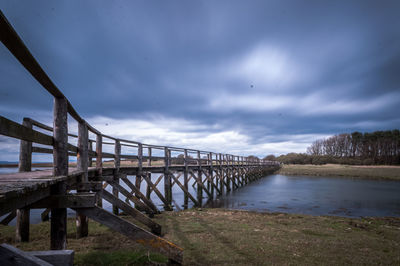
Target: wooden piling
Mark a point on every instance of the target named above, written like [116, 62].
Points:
[99, 161]
[117, 164]
[167, 180]
[58, 231]
[211, 175]
[82, 221]
[139, 174]
[185, 179]
[199, 180]
[24, 165]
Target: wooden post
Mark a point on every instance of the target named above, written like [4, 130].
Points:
[24, 165]
[199, 180]
[228, 174]
[148, 188]
[211, 175]
[167, 180]
[149, 153]
[90, 156]
[138, 180]
[185, 179]
[99, 162]
[82, 165]
[58, 231]
[117, 164]
[221, 175]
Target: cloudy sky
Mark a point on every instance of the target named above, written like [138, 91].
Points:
[244, 77]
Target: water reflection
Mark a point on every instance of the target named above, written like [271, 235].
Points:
[316, 196]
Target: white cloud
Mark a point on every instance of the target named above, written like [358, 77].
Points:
[266, 66]
[308, 105]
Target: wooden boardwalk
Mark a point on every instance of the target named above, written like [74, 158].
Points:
[155, 169]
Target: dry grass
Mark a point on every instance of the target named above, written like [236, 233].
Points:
[220, 237]
[369, 172]
[223, 237]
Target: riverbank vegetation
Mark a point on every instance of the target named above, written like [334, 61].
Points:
[379, 172]
[225, 237]
[376, 148]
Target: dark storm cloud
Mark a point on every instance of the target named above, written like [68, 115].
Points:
[266, 69]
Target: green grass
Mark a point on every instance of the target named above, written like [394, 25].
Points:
[227, 237]
[338, 170]
[102, 247]
[224, 237]
[100, 258]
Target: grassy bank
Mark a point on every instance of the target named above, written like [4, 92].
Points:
[222, 237]
[369, 172]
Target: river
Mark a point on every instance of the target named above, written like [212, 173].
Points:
[295, 194]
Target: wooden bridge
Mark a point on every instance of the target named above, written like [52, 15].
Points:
[138, 173]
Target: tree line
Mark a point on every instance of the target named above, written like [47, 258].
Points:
[379, 147]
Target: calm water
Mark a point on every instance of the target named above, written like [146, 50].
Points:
[316, 196]
[294, 194]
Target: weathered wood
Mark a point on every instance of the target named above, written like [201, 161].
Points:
[148, 187]
[87, 186]
[81, 200]
[185, 180]
[22, 226]
[117, 163]
[141, 236]
[9, 218]
[117, 187]
[55, 257]
[11, 256]
[138, 179]
[184, 190]
[82, 222]
[154, 227]
[158, 193]
[167, 180]
[45, 215]
[24, 165]
[149, 156]
[139, 194]
[99, 161]
[199, 180]
[12, 129]
[58, 231]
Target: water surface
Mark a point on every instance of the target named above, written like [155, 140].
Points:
[316, 196]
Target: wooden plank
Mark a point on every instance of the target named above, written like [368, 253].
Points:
[139, 194]
[22, 225]
[24, 165]
[212, 183]
[154, 227]
[12, 129]
[81, 200]
[185, 190]
[58, 221]
[117, 164]
[131, 197]
[9, 218]
[87, 186]
[23, 199]
[99, 161]
[82, 222]
[55, 257]
[11, 256]
[158, 193]
[200, 184]
[139, 235]
[185, 178]
[167, 179]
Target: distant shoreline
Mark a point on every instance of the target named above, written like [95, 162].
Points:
[375, 172]
[15, 165]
